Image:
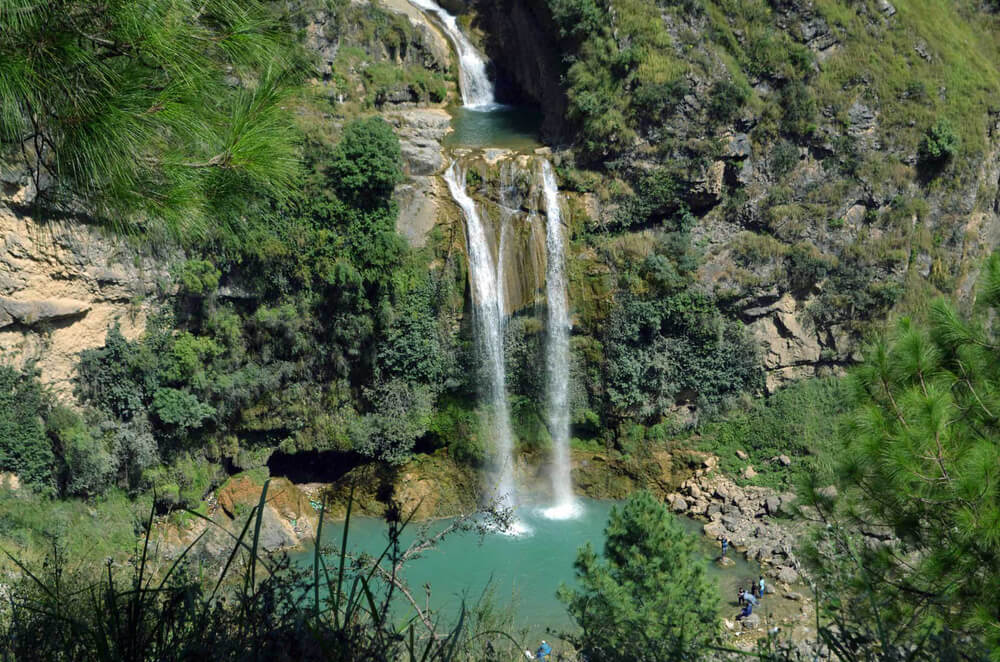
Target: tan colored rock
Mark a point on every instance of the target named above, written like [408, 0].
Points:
[61, 286]
[790, 351]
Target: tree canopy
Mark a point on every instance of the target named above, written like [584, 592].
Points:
[646, 597]
[922, 459]
[162, 113]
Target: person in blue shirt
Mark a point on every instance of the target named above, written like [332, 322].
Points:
[751, 600]
[762, 588]
[725, 545]
[544, 651]
[747, 609]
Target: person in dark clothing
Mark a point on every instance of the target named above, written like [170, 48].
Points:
[747, 610]
[741, 597]
[725, 546]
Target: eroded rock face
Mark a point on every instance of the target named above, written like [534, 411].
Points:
[62, 284]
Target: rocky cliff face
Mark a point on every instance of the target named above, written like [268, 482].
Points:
[62, 284]
[518, 39]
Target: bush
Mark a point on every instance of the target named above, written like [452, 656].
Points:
[366, 164]
[24, 448]
[726, 100]
[940, 143]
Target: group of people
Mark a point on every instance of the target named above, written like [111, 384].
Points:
[749, 599]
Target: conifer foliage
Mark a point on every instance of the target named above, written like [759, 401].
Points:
[148, 109]
[647, 597]
[923, 458]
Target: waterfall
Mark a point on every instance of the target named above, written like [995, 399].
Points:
[488, 313]
[557, 351]
[474, 84]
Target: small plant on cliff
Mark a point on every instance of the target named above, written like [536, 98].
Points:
[940, 143]
[646, 592]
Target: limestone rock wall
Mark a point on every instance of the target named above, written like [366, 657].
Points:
[62, 284]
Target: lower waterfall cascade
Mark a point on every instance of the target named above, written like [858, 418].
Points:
[557, 350]
[488, 313]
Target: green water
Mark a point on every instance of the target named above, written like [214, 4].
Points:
[510, 127]
[524, 571]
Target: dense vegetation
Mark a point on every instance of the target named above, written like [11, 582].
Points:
[645, 597]
[300, 321]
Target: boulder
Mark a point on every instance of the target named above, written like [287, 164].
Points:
[788, 575]
[698, 507]
[694, 491]
[751, 622]
[784, 460]
[714, 529]
[773, 505]
[749, 472]
[794, 596]
[742, 455]
[677, 503]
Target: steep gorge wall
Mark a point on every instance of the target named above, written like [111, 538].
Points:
[62, 284]
[520, 41]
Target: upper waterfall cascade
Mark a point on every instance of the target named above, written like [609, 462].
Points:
[484, 278]
[557, 350]
[474, 83]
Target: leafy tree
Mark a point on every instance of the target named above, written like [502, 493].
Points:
[940, 143]
[366, 164]
[922, 458]
[645, 597]
[24, 447]
[165, 112]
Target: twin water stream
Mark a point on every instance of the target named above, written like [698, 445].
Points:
[525, 565]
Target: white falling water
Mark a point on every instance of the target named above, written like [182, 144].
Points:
[475, 85]
[489, 318]
[557, 354]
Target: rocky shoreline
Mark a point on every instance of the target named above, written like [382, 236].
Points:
[759, 523]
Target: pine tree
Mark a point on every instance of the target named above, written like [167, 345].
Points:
[922, 459]
[162, 114]
[647, 597]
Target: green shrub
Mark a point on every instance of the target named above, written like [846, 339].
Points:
[24, 448]
[366, 163]
[726, 100]
[940, 143]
